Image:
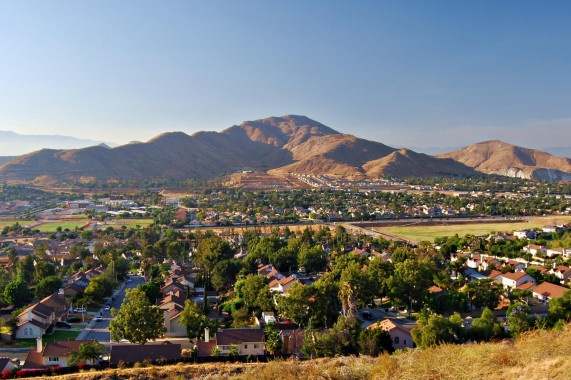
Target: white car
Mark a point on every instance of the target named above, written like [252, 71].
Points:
[98, 318]
[107, 308]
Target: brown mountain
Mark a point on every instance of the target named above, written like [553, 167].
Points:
[497, 157]
[287, 144]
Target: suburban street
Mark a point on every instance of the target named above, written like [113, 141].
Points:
[98, 331]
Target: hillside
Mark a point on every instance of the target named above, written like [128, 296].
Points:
[541, 354]
[497, 157]
[278, 145]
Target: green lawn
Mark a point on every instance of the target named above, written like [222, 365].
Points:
[57, 335]
[428, 233]
[52, 226]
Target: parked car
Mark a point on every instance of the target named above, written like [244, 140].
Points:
[73, 319]
[367, 315]
[62, 324]
[80, 310]
[98, 318]
[107, 308]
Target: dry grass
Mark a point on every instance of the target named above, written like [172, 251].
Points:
[537, 355]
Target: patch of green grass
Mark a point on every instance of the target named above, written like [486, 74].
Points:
[52, 226]
[61, 335]
[117, 223]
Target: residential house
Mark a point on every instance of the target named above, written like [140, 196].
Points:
[53, 354]
[489, 262]
[565, 252]
[282, 285]
[37, 318]
[562, 272]
[173, 327]
[546, 291]
[525, 234]
[133, 353]
[250, 341]
[400, 333]
[534, 249]
[513, 280]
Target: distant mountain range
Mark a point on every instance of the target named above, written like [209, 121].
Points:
[498, 157]
[278, 145]
[14, 144]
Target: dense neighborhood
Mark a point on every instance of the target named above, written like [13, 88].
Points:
[142, 278]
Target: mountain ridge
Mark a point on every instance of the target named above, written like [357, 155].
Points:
[278, 145]
[498, 157]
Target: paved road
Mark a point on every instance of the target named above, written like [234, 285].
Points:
[99, 330]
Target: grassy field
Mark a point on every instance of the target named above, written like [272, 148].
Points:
[130, 222]
[420, 233]
[4, 223]
[51, 226]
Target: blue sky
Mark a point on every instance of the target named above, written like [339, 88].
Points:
[406, 73]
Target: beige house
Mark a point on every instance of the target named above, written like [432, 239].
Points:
[250, 341]
[513, 280]
[53, 354]
[400, 333]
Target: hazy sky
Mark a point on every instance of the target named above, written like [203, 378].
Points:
[406, 73]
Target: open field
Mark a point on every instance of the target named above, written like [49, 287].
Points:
[129, 222]
[51, 226]
[428, 233]
[11, 222]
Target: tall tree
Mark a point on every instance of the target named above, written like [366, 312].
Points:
[410, 281]
[137, 320]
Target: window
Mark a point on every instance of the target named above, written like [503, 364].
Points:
[397, 340]
[256, 346]
[405, 342]
[245, 347]
[53, 359]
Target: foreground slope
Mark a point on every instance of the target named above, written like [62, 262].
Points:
[542, 354]
[497, 157]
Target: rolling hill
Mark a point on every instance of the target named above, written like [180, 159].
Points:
[498, 157]
[278, 145]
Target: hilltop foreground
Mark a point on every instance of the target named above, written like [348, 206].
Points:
[543, 354]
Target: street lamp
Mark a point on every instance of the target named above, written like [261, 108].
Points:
[83, 310]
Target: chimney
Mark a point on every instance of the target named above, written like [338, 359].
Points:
[29, 314]
[60, 291]
[39, 344]
[206, 335]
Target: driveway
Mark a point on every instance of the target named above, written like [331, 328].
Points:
[99, 331]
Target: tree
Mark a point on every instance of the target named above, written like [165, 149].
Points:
[560, 308]
[174, 251]
[518, 318]
[16, 293]
[375, 341]
[87, 353]
[26, 268]
[137, 320]
[224, 273]
[41, 250]
[312, 258]
[211, 251]
[252, 288]
[47, 286]
[99, 287]
[42, 270]
[233, 350]
[436, 329]
[194, 320]
[485, 327]
[152, 290]
[296, 306]
[410, 280]
[273, 341]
